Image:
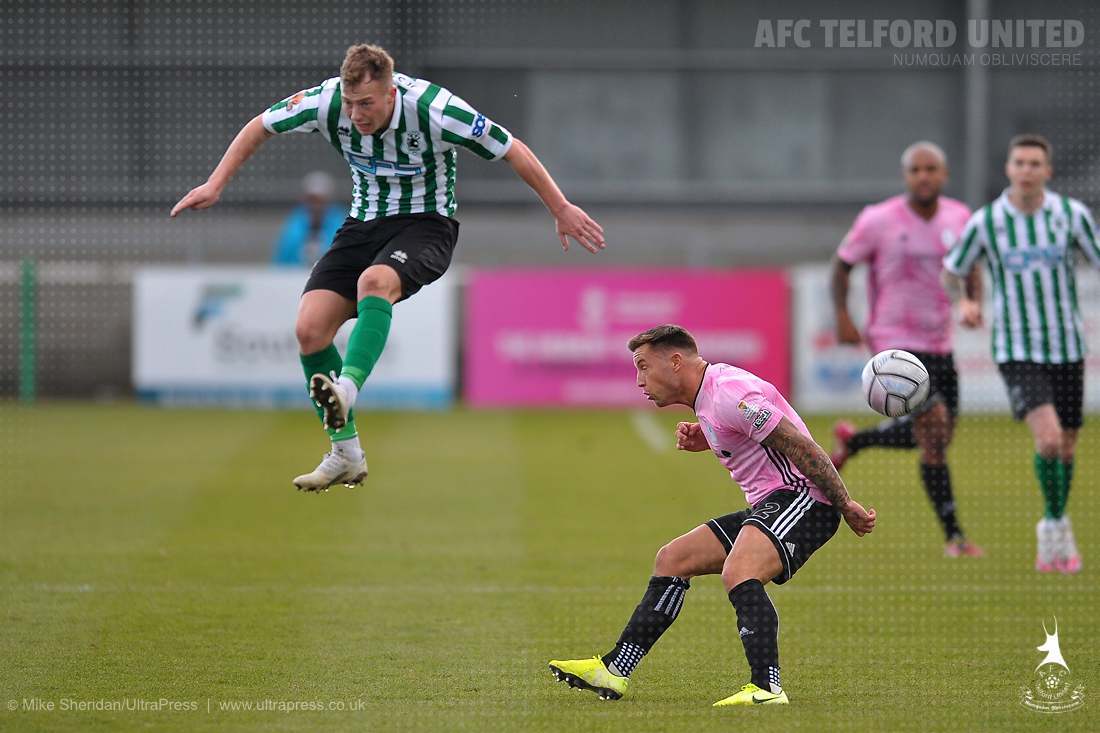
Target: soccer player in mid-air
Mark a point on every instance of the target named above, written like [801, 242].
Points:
[400, 136]
[797, 499]
[1028, 238]
[903, 241]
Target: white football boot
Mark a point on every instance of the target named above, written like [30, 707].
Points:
[1045, 533]
[334, 469]
[1066, 558]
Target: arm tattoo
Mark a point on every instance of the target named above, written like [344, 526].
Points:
[810, 459]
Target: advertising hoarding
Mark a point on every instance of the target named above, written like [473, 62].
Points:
[558, 337]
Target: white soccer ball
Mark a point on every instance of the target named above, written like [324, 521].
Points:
[895, 383]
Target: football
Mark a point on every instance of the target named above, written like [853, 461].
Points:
[895, 383]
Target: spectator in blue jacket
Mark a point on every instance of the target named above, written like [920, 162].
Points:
[310, 227]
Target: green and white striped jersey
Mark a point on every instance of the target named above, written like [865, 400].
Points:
[1032, 261]
[410, 166]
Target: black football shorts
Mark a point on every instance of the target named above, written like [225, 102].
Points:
[1030, 385]
[943, 382]
[797, 524]
[417, 246]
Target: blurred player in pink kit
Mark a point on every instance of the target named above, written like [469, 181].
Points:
[903, 241]
[797, 500]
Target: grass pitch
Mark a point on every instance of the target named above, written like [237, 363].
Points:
[161, 562]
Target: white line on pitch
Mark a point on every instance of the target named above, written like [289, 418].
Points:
[659, 438]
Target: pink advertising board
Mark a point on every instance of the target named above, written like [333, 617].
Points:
[558, 337]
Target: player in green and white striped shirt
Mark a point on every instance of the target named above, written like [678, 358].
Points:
[1028, 237]
[400, 136]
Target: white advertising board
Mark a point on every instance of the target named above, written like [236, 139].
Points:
[225, 335]
[826, 374]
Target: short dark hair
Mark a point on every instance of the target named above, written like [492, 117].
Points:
[667, 336]
[365, 63]
[1030, 140]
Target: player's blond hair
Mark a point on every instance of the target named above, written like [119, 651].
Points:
[366, 63]
[668, 336]
[1030, 140]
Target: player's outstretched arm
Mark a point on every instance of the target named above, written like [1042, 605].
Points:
[571, 220]
[689, 436]
[967, 293]
[811, 459]
[247, 142]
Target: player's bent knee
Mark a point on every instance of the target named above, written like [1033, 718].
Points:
[379, 282]
[311, 336]
[669, 563]
[1048, 449]
[1048, 444]
[736, 573]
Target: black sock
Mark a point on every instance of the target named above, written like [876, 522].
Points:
[659, 607]
[937, 482]
[893, 433]
[758, 626]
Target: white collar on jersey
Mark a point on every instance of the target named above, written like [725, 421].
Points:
[1047, 205]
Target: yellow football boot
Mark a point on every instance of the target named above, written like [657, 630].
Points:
[752, 695]
[590, 674]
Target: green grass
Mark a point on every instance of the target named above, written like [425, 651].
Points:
[149, 554]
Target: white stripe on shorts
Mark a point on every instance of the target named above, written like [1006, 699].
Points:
[790, 517]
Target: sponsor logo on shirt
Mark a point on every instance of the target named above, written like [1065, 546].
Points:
[378, 167]
[343, 131]
[1026, 259]
[755, 414]
[294, 101]
[480, 126]
[400, 256]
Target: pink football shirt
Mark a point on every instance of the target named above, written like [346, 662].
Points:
[737, 410]
[907, 308]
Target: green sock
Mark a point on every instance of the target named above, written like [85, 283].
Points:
[1067, 468]
[1052, 480]
[327, 361]
[368, 338]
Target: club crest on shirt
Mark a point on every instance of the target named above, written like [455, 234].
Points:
[754, 413]
[414, 143]
[948, 238]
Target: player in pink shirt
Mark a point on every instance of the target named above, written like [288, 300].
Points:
[797, 499]
[903, 241]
